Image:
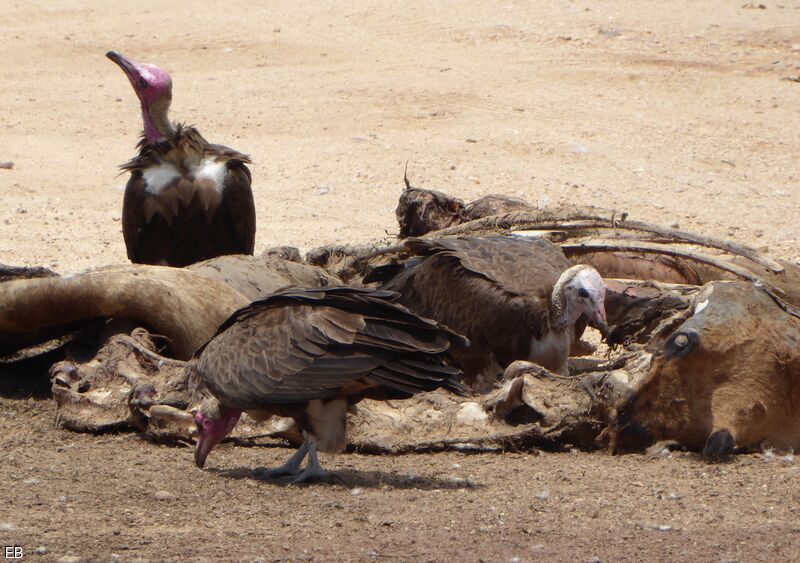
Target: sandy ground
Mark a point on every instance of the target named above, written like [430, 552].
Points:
[680, 113]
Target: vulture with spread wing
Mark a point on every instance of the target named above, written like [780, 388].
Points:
[309, 354]
[187, 200]
[513, 298]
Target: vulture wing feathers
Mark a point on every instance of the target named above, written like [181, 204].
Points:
[238, 205]
[299, 345]
[517, 266]
[494, 290]
[482, 284]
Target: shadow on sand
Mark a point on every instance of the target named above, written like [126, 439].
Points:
[354, 478]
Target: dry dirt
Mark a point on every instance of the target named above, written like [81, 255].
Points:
[680, 112]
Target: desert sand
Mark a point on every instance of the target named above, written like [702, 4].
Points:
[676, 112]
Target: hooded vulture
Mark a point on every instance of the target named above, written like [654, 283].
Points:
[187, 200]
[309, 354]
[513, 298]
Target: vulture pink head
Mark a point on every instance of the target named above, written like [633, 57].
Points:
[153, 86]
[580, 290]
[213, 422]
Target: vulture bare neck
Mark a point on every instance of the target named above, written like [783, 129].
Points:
[187, 200]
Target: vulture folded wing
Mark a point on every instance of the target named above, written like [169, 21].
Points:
[517, 265]
[300, 345]
[238, 205]
[484, 287]
[133, 217]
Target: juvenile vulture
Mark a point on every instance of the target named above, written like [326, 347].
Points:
[514, 299]
[187, 200]
[309, 354]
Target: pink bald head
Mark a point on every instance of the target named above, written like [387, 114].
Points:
[153, 86]
[213, 423]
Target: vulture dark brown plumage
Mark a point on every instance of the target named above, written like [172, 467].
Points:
[514, 298]
[187, 200]
[309, 354]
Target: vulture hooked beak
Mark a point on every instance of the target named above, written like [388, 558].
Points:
[201, 451]
[128, 66]
[599, 320]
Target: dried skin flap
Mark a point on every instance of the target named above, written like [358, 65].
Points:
[127, 386]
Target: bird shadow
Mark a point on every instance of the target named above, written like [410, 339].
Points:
[354, 478]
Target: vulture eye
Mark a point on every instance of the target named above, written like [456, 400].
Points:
[583, 293]
[143, 83]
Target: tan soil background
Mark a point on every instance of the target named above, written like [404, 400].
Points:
[677, 112]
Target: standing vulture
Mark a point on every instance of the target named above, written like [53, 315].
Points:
[309, 354]
[187, 200]
[513, 298]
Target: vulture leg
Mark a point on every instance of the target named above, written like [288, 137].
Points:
[313, 470]
[292, 465]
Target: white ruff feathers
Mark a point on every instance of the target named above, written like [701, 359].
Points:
[212, 170]
[158, 178]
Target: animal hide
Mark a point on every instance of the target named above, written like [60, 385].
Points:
[729, 363]
[128, 386]
[635, 311]
[186, 305]
[727, 367]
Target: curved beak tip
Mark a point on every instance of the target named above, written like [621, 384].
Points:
[199, 458]
[127, 65]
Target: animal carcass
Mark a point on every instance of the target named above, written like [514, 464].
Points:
[724, 375]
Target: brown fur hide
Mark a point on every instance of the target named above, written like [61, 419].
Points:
[634, 311]
[184, 305]
[731, 367]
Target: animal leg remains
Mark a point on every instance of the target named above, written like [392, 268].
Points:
[313, 470]
[292, 465]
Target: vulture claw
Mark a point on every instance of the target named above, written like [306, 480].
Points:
[283, 470]
[313, 470]
[292, 465]
[311, 474]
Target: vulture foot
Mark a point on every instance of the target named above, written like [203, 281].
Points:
[291, 467]
[311, 474]
[313, 470]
